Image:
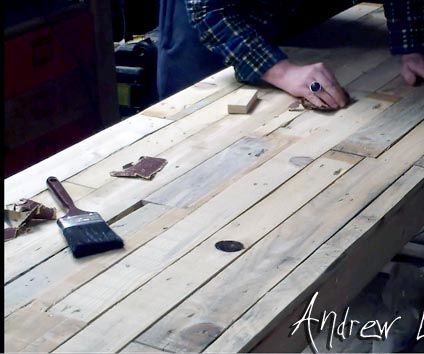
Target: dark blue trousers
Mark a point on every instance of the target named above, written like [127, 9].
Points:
[182, 59]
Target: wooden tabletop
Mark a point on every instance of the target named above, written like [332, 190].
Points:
[320, 202]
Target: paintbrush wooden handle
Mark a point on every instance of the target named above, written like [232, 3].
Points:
[62, 195]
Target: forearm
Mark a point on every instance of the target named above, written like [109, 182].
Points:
[224, 29]
[405, 21]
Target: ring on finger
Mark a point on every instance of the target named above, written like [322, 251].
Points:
[315, 87]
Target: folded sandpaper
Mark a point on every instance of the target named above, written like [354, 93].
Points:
[146, 168]
[19, 216]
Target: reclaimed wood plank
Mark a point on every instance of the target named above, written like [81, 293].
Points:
[281, 251]
[203, 223]
[135, 347]
[420, 162]
[387, 128]
[218, 211]
[343, 265]
[215, 174]
[195, 97]
[377, 77]
[77, 192]
[72, 160]
[118, 198]
[169, 137]
[61, 274]
[323, 169]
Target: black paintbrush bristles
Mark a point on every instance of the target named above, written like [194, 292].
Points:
[91, 238]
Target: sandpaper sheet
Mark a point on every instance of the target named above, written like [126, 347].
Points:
[146, 168]
[18, 216]
[304, 105]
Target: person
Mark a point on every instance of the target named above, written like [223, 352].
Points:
[182, 59]
[244, 34]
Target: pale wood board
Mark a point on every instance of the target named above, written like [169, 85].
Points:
[79, 156]
[420, 162]
[242, 101]
[333, 124]
[250, 188]
[195, 97]
[324, 168]
[75, 190]
[135, 347]
[219, 171]
[169, 137]
[119, 197]
[61, 274]
[358, 241]
[281, 251]
[388, 127]
[92, 178]
[159, 284]
[377, 77]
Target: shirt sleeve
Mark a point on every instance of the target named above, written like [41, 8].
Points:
[225, 29]
[405, 21]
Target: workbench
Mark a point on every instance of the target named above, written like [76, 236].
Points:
[320, 202]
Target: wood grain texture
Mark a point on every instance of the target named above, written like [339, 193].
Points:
[242, 101]
[136, 347]
[269, 179]
[62, 274]
[79, 156]
[247, 227]
[195, 97]
[119, 197]
[420, 162]
[217, 172]
[338, 270]
[387, 128]
[244, 193]
[274, 257]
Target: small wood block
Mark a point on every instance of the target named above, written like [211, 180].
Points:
[242, 101]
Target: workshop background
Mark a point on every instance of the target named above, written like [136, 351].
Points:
[75, 67]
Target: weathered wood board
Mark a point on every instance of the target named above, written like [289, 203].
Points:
[311, 196]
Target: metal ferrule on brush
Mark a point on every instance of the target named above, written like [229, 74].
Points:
[79, 220]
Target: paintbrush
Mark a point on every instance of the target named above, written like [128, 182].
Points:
[86, 232]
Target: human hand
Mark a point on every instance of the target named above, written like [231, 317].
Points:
[296, 79]
[412, 67]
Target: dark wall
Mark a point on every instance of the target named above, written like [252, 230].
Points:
[140, 17]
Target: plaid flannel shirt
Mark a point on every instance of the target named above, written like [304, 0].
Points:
[236, 32]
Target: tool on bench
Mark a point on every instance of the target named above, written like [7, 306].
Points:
[86, 232]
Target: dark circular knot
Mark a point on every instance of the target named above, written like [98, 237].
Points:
[229, 246]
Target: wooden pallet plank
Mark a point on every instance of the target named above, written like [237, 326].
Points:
[387, 128]
[116, 199]
[195, 97]
[192, 230]
[135, 347]
[420, 162]
[377, 77]
[215, 174]
[34, 322]
[339, 268]
[246, 191]
[323, 169]
[61, 274]
[158, 143]
[356, 66]
[79, 156]
[281, 251]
